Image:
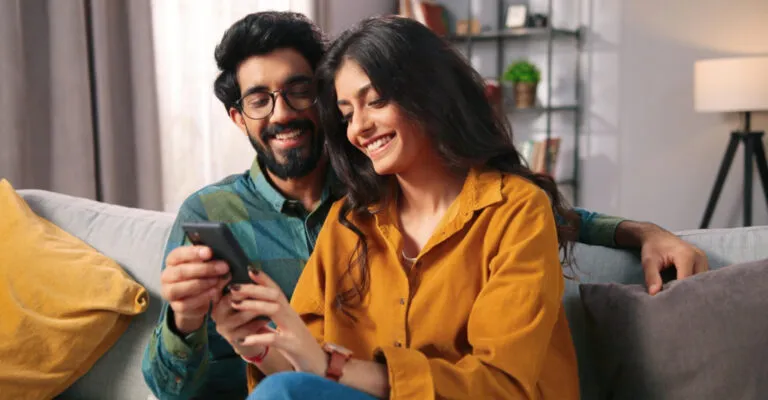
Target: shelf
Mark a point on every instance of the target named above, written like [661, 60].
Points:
[500, 38]
[516, 33]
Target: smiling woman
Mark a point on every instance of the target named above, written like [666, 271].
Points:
[438, 275]
[380, 129]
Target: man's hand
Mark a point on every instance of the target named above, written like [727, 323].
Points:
[190, 282]
[659, 250]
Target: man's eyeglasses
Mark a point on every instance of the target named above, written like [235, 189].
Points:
[259, 105]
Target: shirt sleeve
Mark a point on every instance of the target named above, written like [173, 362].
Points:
[597, 229]
[525, 286]
[173, 365]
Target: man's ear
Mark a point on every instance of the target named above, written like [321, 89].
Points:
[237, 117]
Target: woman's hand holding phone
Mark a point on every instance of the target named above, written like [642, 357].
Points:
[236, 320]
[190, 282]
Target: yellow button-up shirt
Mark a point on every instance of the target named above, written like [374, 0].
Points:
[477, 316]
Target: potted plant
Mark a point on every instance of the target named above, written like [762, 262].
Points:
[525, 79]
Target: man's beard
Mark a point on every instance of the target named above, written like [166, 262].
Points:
[296, 164]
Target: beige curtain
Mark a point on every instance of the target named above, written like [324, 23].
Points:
[78, 110]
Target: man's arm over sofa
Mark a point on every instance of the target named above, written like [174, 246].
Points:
[659, 248]
[597, 229]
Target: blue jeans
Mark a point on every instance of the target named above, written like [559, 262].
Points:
[301, 385]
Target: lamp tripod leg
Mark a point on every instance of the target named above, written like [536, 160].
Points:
[762, 165]
[722, 173]
[749, 151]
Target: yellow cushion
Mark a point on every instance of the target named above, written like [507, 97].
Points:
[62, 303]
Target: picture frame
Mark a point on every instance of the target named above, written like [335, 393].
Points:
[516, 16]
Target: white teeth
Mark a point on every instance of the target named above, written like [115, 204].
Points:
[288, 136]
[378, 143]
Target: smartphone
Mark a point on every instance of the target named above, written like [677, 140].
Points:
[223, 244]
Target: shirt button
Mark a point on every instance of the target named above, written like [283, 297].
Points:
[398, 344]
[402, 301]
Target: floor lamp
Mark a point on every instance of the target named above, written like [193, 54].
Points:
[735, 85]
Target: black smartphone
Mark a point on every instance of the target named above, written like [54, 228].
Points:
[223, 244]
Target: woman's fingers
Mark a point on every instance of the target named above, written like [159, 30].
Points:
[267, 301]
[239, 319]
[268, 338]
[257, 307]
[261, 278]
[254, 326]
[255, 292]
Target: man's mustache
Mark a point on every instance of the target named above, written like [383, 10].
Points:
[298, 124]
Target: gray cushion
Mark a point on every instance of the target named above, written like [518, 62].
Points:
[136, 240]
[602, 265]
[701, 338]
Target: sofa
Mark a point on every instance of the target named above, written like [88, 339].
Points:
[135, 239]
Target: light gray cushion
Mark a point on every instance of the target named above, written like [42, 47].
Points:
[702, 338]
[136, 240]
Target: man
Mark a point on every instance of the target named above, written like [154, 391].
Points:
[267, 61]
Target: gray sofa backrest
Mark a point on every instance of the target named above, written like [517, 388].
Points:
[136, 239]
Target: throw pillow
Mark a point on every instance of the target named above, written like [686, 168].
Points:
[62, 303]
[705, 337]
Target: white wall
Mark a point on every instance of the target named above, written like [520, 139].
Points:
[650, 156]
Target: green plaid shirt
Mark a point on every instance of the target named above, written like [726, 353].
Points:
[278, 234]
[275, 232]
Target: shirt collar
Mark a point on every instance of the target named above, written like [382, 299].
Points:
[482, 188]
[331, 187]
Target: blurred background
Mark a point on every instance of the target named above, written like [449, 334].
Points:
[112, 99]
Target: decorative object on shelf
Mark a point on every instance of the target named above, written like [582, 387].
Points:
[525, 79]
[735, 85]
[537, 21]
[468, 27]
[494, 94]
[516, 16]
[535, 154]
[430, 13]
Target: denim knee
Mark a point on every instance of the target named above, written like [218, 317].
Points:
[283, 386]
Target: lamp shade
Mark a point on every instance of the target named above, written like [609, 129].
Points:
[731, 84]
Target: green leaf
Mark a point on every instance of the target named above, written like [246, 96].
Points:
[522, 71]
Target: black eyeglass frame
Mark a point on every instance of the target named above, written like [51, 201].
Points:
[273, 96]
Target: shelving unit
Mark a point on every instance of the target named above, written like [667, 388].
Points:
[500, 37]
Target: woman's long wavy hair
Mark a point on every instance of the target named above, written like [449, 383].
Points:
[433, 84]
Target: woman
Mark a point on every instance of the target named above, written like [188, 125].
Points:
[438, 275]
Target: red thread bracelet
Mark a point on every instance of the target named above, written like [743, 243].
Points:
[258, 359]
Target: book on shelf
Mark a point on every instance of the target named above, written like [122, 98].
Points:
[534, 152]
[429, 13]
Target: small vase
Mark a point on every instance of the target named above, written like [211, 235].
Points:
[525, 94]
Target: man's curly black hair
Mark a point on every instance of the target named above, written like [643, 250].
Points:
[262, 33]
